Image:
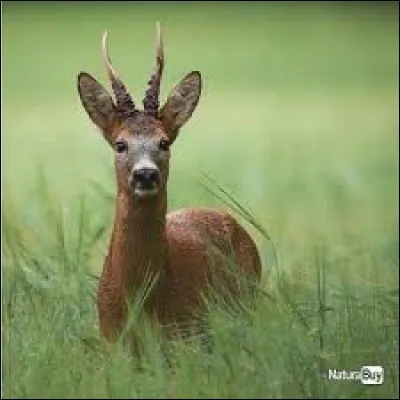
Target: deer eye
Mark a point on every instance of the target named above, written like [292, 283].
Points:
[164, 144]
[120, 146]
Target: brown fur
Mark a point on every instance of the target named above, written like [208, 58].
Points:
[186, 250]
[179, 247]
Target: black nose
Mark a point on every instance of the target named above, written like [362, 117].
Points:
[146, 178]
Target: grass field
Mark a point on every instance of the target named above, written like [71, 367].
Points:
[298, 120]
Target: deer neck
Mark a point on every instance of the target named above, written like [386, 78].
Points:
[138, 249]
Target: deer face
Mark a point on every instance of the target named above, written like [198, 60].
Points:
[142, 151]
[141, 140]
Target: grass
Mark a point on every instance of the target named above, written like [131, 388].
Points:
[298, 128]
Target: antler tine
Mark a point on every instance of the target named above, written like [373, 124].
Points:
[160, 50]
[125, 103]
[151, 100]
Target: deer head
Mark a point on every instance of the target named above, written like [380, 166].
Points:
[141, 139]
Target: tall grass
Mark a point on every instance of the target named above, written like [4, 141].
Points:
[296, 134]
[335, 319]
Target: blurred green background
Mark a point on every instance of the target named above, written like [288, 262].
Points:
[298, 119]
[280, 80]
[298, 116]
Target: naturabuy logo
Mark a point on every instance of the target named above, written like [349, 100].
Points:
[367, 375]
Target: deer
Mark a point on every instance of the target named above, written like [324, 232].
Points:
[146, 240]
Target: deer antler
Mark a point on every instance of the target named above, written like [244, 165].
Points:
[151, 100]
[125, 103]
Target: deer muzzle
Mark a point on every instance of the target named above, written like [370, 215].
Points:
[145, 181]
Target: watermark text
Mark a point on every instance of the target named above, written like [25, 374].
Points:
[367, 375]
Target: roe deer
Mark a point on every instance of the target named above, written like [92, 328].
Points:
[145, 239]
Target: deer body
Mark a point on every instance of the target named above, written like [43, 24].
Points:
[185, 250]
[177, 248]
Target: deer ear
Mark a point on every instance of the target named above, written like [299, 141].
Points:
[98, 104]
[181, 103]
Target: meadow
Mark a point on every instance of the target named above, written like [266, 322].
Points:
[298, 122]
